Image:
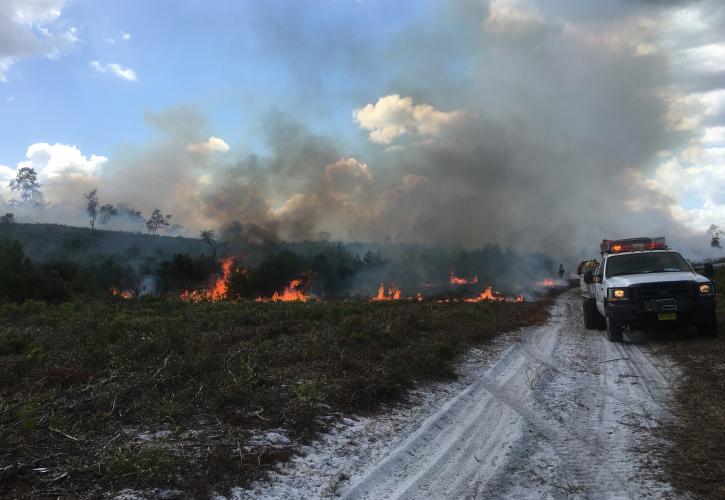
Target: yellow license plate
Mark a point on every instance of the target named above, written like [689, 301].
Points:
[666, 316]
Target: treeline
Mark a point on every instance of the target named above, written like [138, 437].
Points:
[325, 269]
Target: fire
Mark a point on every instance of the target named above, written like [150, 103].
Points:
[124, 294]
[292, 292]
[218, 291]
[393, 293]
[547, 282]
[489, 295]
[456, 280]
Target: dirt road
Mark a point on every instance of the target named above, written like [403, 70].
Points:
[559, 414]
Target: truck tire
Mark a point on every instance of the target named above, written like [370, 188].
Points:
[589, 307]
[708, 329]
[615, 331]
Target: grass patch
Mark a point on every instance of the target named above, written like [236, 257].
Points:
[695, 463]
[104, 395]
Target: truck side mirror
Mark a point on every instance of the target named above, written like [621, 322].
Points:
[708, 270]
[588, 277]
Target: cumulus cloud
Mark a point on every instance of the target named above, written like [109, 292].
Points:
[32, 28]
[393, 116]
[115, 69]
[63, 170]
[348, 175]
[213, 144]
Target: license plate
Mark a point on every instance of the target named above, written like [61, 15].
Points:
[667, 316]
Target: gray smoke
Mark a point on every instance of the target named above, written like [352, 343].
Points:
[541, 120]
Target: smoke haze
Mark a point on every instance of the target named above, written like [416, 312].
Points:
[530, 124]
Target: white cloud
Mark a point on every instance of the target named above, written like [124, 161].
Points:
[125, 36]
[511, 17]
[115, 69]
[63, 171]
[393, 116]
[52, 161]
[213, 144]
[31, 28]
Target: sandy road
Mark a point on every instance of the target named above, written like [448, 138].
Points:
[557, 415]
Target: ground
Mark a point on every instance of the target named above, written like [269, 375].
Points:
[101, 396]
[557, 412]
[157, 399]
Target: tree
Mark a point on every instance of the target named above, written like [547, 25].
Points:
[8, 218]
[26, 181]
[207, 236]
[714, 232]
[157, 221]
[91, 198]
[106, 212]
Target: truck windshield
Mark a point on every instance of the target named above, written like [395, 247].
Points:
[640, 263]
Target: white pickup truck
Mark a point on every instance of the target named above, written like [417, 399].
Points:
[642, 283]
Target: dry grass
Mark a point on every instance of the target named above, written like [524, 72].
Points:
[80, 382]
[695, 462]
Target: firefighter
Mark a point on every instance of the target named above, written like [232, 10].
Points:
[561, 271]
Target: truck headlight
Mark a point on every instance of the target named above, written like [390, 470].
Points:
[616, 294]
[706, 289]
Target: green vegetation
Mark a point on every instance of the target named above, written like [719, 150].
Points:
[80, 380]
[695, 461]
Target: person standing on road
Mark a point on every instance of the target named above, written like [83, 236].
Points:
[561, 271]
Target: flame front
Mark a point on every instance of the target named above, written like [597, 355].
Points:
[292, 292]
[489, 295]
[124, 294]
[457, 280]
[548, 282]
[393, 293]
[218, 291]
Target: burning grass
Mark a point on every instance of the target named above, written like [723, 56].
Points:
[695, 462]
[105, 395]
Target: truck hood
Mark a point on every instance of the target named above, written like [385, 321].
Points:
[639, 279]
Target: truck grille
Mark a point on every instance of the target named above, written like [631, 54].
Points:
[675, 290]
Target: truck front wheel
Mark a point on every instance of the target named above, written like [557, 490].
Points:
[615, 331]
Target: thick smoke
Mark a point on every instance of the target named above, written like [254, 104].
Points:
[530, 124]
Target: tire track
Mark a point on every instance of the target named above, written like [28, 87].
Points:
[553, 416]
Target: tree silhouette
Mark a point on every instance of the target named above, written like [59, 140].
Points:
[157, 221]
[26, 181]
[91, 198]
[106, 212]
[207, 236]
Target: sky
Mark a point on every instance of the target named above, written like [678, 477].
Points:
[460, 121]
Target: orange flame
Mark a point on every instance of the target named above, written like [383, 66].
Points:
[489, 295]
[547, 282]
[486, 295]
[218, 291]
[393, 293]
[456, 280]
[124, 294]
[292, 292]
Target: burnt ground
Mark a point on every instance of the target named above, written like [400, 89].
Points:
[98, 396]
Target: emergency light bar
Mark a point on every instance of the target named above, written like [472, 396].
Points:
[633, 245]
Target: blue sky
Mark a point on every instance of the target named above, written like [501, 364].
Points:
[419, 120]
[232, 61]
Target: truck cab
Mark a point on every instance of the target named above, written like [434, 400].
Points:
[641, 283]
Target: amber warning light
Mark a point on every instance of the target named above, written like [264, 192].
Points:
[633, 245]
